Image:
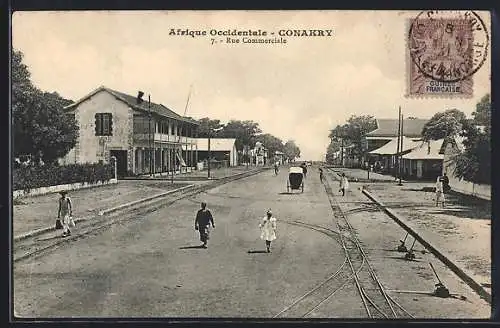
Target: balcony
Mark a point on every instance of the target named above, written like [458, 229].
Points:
[161, 137]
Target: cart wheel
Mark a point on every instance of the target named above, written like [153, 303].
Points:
[287, 187]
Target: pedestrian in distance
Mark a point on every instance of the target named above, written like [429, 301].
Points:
[321, 174]
[202, 223]
[268, 229]
[276, 168]
[304, 169]
[439, 192]
[66, 212]
[344, 184]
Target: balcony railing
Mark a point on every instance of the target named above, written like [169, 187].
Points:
[161, 137]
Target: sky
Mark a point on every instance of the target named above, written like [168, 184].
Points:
[295, 91]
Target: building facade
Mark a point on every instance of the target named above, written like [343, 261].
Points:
[221, 149]
[143, 137]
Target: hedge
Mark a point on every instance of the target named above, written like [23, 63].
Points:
[27, 178]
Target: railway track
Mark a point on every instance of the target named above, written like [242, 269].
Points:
[355, 271]
[37, 246]
[376, 301]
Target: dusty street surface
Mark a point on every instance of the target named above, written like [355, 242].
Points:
[41, 211]
[152, 266]
[407, 280]
[462, 228]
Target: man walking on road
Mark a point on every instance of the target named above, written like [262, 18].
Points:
[344, 184]
[268, 229]
[66, 211]
[202, 223]
[320, 174]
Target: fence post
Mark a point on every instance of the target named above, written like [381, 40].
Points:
[113, 159]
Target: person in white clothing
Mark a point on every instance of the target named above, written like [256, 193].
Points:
[268, 229]
[344, 184]
[439, 192]
[65, 211]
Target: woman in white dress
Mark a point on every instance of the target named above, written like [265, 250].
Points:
[268, 229]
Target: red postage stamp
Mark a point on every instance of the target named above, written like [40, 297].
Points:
[445, 49]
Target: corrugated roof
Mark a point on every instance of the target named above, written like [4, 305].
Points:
[158, 109]
[389, 127]
[216, 144]
[426, 150]
[391, 148]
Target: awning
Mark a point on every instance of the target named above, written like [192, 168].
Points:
[179, 157]
[426, 150]
[391, 148]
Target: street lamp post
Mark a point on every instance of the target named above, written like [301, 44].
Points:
[151, 154]
[209, 152]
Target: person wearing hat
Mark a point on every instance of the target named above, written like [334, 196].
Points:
[268, 229]
[65, 211]
[202, 223]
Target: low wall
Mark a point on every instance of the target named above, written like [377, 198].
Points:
[53, 189]
[469, 188]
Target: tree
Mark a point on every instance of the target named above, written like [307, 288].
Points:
[41, 127]
[291, 150]
[207, 125]
[271, 143]
[444, 124]
[354, 133]
[332, 148]
[243, 131]
[474, 163]
[482, 115]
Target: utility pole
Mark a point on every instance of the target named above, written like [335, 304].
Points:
[151, 166]
[396, 158]
[401, 156]
[209, 152]
[342, 151]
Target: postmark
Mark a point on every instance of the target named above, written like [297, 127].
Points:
[445, 50]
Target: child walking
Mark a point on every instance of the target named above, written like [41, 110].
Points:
[268, 229]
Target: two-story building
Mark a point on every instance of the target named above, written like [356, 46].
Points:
[144, 137]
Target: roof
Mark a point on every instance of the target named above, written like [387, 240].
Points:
[389, 127]
[391, 148]
[158, 109]
[296, 169]
[216, 144]
[427, 150]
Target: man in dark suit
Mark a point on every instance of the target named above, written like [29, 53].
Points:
[202, 223]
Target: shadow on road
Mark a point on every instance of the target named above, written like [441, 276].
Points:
[256, 252]
[192, 247]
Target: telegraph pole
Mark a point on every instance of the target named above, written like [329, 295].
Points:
[151, 166]
[401, 156]
[396, 158]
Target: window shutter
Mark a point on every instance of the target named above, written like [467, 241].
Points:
[97, 125]
[105, 124]
[110, 124]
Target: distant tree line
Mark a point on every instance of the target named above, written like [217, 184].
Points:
[472, 164]
[247, 133]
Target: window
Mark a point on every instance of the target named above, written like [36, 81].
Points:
[103, 124]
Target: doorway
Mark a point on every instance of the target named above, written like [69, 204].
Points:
[121, 162]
